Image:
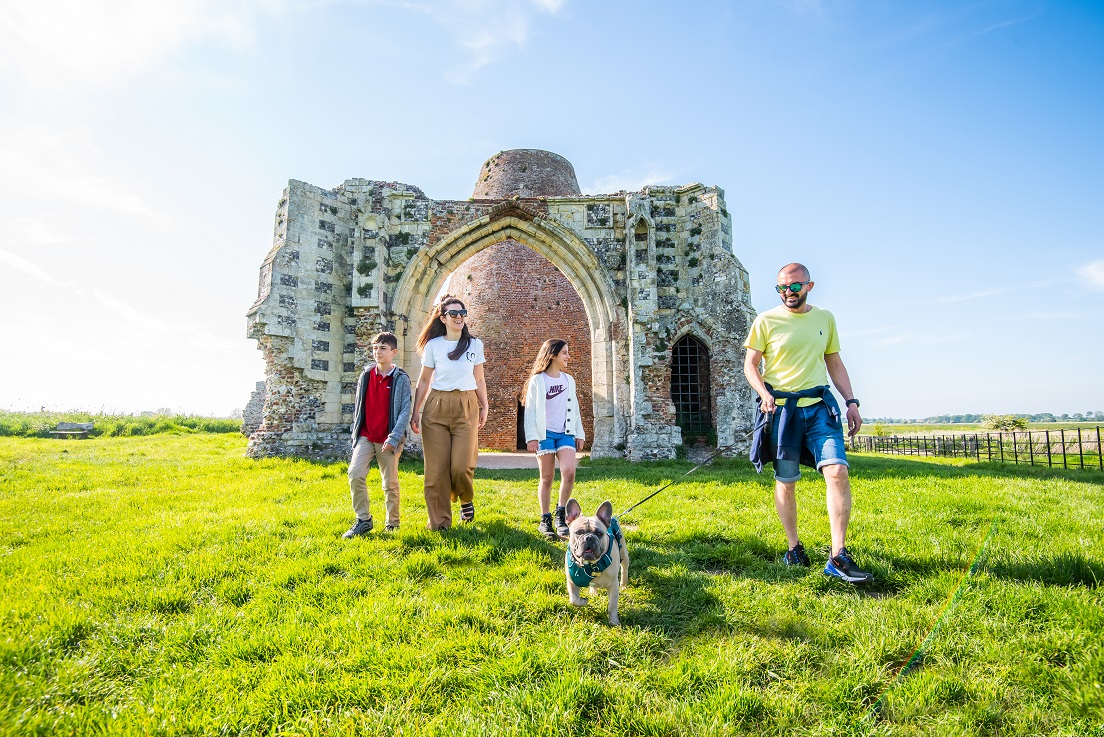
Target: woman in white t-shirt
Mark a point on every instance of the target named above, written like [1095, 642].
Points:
[452, 366]
[553, 429]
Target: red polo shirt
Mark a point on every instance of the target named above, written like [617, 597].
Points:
[377, 406]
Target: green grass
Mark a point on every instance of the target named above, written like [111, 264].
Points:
[958, 428]
[39, 424]
[167, 585]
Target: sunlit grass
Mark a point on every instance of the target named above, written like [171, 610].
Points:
[168, 585]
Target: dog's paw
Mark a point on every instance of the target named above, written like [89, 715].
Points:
[614, 621]
[579, 602]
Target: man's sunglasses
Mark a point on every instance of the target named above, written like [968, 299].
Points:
[795, 287]
[455, 313]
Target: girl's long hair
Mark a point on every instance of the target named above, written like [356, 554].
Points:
[434, 328]
[549, 350]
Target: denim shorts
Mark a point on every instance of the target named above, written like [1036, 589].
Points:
[554, 441]
[823, 439]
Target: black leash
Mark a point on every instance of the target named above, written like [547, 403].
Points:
[680, 478]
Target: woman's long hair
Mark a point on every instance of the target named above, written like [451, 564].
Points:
[549, 350]
[434, 328]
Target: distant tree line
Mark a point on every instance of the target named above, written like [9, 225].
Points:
[1094, 416]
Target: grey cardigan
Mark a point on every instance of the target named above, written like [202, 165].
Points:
[398, 415]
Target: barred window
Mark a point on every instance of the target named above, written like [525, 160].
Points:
[690, 388]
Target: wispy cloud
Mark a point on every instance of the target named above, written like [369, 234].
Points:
[133, 317]
[629, 181]
[81, 44]
[31, 269]
[1094, 272]
[489, 29]
[35, 159]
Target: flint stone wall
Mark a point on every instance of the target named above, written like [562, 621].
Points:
[649, 266]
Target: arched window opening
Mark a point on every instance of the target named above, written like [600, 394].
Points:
[690, 390]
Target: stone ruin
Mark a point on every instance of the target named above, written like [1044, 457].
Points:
[647, 281]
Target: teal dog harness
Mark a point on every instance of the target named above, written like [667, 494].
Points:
[581, 574]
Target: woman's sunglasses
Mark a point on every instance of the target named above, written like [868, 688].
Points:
[455, 313]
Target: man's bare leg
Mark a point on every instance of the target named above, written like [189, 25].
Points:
[785, 503]
[839, 503]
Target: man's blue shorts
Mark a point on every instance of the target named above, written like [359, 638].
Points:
[554, 441]
[823, 439]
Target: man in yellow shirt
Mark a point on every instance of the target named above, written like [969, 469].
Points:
[798, 347]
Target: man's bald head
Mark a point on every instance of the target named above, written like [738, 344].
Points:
[794, 272]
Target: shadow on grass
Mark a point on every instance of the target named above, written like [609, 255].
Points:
[1058, 570]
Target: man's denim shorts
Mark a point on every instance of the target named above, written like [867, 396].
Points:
[554, 441]
[822, 438]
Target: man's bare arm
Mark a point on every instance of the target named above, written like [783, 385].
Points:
[842, 382]
[752, 358]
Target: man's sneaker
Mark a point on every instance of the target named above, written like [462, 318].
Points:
[842, 567]
[362, 527]
[795, 556]
[561, 523]
[545, 527]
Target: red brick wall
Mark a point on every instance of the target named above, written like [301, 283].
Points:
[516, 300]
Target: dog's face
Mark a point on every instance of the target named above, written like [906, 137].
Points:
[588, 541]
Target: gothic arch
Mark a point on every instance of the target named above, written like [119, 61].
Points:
[424, 276]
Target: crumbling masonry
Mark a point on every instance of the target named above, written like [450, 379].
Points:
[654, 270]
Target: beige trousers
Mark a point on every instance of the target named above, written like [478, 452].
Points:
[450, 444]
[388, 461]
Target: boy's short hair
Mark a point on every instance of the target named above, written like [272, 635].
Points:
[388, 338]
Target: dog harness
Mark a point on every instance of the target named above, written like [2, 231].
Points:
[582, 574]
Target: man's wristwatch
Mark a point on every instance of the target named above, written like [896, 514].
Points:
[852, 401]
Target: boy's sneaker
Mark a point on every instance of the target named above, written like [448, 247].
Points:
[545, 527]
[362, 527]
[561, 523]
[842, 567]
[795, 556]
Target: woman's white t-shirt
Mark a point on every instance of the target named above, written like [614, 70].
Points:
[449, 375]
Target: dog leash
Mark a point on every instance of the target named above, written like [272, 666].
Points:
[695, 468]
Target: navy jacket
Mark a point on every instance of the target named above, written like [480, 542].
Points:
[791, 428]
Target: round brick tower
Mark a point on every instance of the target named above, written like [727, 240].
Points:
[526, 172]
[517, 299]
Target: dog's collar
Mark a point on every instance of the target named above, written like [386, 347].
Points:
[582, 574]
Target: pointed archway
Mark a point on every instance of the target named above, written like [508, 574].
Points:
[424, 276]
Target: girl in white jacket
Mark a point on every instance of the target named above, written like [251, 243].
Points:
[553, 429]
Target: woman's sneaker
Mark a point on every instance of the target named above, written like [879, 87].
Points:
[795, 556]
[545, 527]
[842, 567]
[467, 512]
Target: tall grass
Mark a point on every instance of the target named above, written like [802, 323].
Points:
[167, 585]
[39, 424]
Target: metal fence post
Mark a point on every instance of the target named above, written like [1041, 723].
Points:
[1049, 464]
[1062, 430]
[1030, 449]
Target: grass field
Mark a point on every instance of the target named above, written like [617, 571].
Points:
[39, 424]
[168, 585]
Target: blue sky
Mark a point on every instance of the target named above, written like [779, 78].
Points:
[939, 167]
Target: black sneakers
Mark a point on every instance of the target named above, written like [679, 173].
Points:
[842, 567]
[561, 524]
[545, 527]
[362, 527]
[795, 556]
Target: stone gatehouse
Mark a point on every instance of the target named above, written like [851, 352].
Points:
[649, 277]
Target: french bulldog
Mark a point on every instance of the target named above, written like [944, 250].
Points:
[596, 555]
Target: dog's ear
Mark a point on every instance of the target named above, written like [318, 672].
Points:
[573, 510]
[605, 513]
